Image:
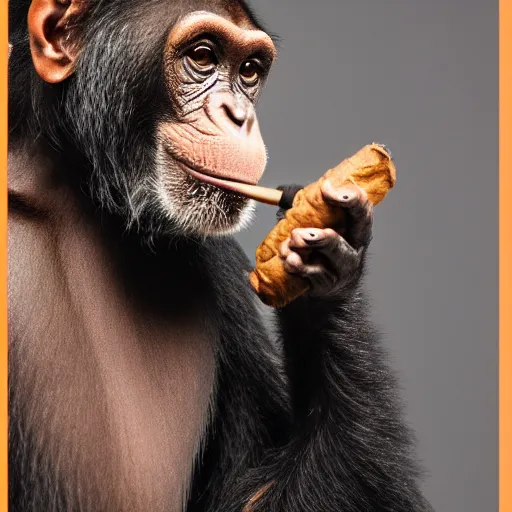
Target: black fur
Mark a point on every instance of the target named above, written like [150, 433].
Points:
[339, 443]
[315, 411]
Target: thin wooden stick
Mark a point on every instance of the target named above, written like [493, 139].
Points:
[265, 195]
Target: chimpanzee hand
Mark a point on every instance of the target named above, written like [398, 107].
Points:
[332, 261]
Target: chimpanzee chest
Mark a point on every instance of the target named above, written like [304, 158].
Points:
[114, 398]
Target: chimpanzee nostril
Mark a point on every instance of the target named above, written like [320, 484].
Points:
[231, 113]
[237, 116]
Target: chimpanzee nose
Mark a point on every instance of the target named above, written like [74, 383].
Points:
[237, 114]
[231, 113]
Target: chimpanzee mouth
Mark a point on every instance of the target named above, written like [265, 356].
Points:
[224, 186]
[228, 184]
[205, 187]
[204, 208]
[198, 202]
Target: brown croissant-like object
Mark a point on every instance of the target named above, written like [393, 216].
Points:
[371, 168]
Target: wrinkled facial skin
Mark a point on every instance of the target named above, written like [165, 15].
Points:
[137, 99]
[214, 72]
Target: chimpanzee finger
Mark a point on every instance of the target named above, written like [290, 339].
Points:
[307, 238]
[338, 255]
[284, 249]
[322, 280]
[359, 210]
[325, 241]
[330, 261]
[289, 245]
[294, 263]
[299, 242]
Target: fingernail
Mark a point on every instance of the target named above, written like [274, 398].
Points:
[312, 237]
[347, 197]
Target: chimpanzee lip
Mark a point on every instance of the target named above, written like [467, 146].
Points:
[226, 184]
[195, 172]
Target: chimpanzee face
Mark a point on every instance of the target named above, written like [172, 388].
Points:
[159, 98]
[214, 71]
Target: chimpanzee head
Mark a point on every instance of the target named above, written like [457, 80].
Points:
[144, 100]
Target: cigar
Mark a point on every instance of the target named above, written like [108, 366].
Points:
[371, 168]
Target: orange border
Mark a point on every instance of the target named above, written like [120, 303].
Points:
[3, 255]
[505, 295]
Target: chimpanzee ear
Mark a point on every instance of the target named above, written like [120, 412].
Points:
[50, 25]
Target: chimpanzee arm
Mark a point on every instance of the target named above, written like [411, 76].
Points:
[349, 449]
[326, 434]
[345, 448]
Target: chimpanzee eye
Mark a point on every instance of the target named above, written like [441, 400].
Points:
[202, 56]
[250, 72]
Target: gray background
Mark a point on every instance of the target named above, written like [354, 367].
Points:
[422, 78]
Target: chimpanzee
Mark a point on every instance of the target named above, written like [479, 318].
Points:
[142, 375]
